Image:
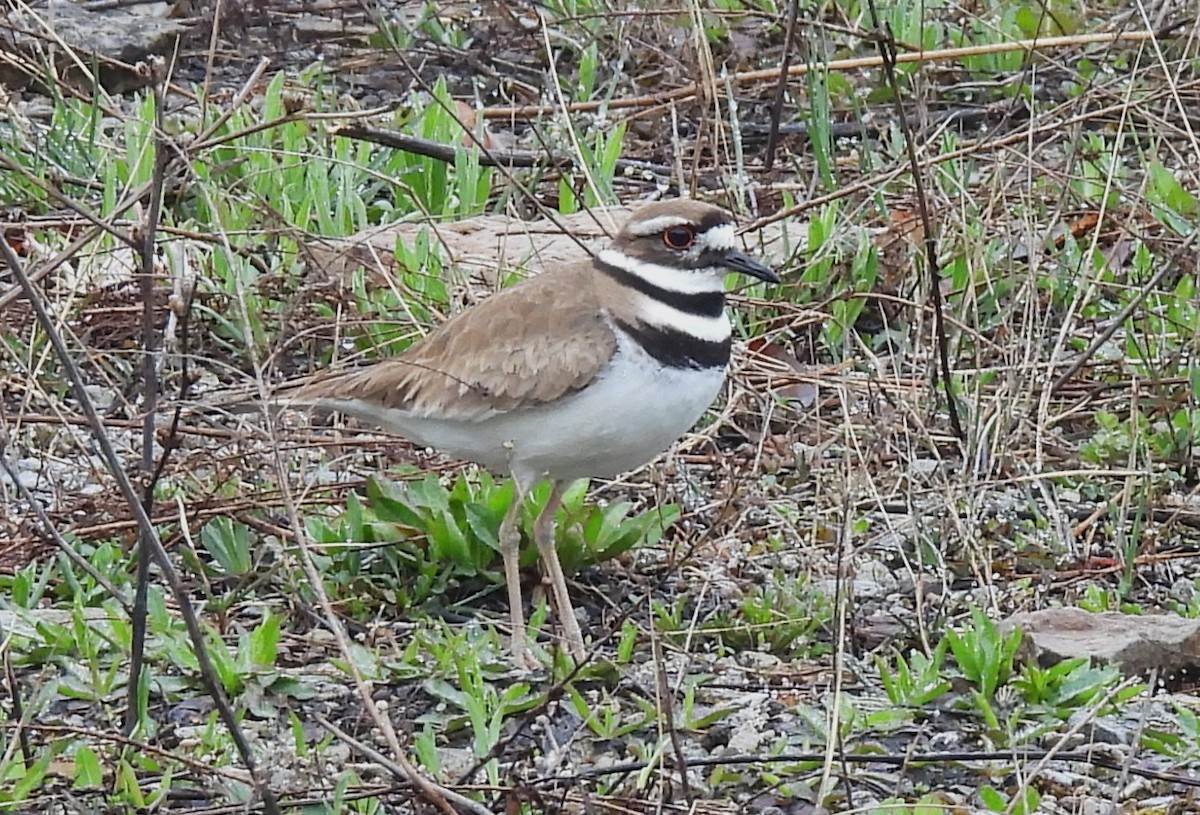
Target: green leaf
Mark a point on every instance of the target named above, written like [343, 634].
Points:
[223, 664]
[1028, 802]
[485, 526]
[447, 540]
[264, 642]
[364, 661]
[441, 689]
[228, 543]
[391, 503]
[1028, 20]
[711, 718]
[88, 773]
[1170, 192]
[354, 518]
[992, 799]
[425, 745]
[294, 688]
[127, 785]
[628, 641]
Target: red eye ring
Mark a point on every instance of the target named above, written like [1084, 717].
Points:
[679, 237]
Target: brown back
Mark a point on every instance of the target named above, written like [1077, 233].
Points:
[527, 345]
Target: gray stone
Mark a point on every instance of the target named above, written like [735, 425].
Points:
[117, 38]
[1137, 644]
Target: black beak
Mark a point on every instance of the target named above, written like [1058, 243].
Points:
[748, 265]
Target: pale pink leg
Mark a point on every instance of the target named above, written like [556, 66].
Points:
[510, 550]
[543, 536]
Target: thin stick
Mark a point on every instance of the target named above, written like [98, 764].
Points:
[856, 64]
[785, 63]
[1111, 325]
[460, 801]
[149, 233]
[887, 50]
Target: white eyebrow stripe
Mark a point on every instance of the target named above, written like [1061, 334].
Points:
[655, 225]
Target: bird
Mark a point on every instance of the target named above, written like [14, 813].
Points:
[586, 370]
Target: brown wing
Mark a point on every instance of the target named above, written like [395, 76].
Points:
[527, 345]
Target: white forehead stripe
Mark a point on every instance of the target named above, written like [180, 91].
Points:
[718, 238]
[664, 277]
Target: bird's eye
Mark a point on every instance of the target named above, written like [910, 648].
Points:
[679, 237]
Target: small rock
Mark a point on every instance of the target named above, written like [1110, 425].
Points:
[1100, 729]
[758, 661]
[945, 741]
[748, 725]
[321, 636]
[921, 469]
[102, 396]
[861, 588]
[881, 574]
[879, 627]
[456, 761]
[310, 28]
[1183, 589]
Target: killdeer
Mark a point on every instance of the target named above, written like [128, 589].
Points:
[586, 370]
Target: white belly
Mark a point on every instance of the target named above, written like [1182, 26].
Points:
[633, 410]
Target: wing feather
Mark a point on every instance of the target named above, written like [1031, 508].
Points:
[527, 345]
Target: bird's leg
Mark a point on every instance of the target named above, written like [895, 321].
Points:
[510, 550]
[543, 536]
